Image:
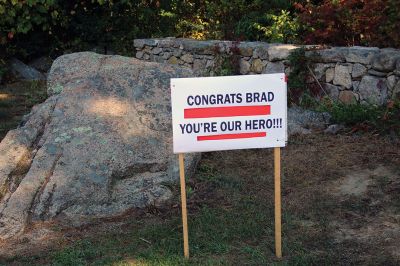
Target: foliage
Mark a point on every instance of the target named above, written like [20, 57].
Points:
[299, 90]
[21, 17]
[34, 27]
[283, 27]
[384, 119]
[3, 68]
[227, 64]
[351, 22]
[31, 28]
[38, 19]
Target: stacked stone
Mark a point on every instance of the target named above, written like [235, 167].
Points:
[362, 74]
[255, 57]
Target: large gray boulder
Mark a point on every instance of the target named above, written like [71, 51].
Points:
[98, 147]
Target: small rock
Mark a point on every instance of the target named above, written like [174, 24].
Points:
[300, 121]
[257, 66]
[245, 51]
[376, 73]
[347, 97]
[274, 67]
[342, 76]
[320, 69]
[333, 129]
[140, 43]
[358, 70]
[373, 90]
[329, 74]
[173, 60]
[332, 55]
[166, 55]
[139, 54]
[147, 49]
[244, 67]
[295, 129]
[391, 81]
[358, 54]
[280, 51]
[158, 59]
[23, 71]
[261, 52]
[332, 91]
[395, 93]
[156, 50]
[199, 66]
[167, 42]
[177, 53]
[355, 85]
[385, 60]
[187, 58]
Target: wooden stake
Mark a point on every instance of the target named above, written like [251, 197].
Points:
[184, 211]
[278, 228]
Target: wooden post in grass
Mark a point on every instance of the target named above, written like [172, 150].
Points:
[278, 229]
[184, 211]
[215, 131]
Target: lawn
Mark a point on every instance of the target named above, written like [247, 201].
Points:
[341, 206]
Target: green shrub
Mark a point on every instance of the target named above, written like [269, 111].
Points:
[36, 19]
[383, 119]
[35, 27]
[280, 28]
[299, 91]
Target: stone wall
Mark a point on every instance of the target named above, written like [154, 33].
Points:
[364, 74]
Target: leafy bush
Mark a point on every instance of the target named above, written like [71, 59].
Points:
[382, 119]
[301, 92]
[34, 27]
[38, 19]
[282, 28]
[351, 22]
[31, 28]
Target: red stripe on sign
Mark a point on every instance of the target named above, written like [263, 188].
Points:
[227, 111]
[232, 136]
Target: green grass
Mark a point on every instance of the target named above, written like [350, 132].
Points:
[217, 237]
[231, 216]
[241, 233]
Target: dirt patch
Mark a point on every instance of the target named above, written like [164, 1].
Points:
[355, 184]
[357, 181]
[371, 218]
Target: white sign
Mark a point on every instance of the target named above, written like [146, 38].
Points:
[227, 113]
